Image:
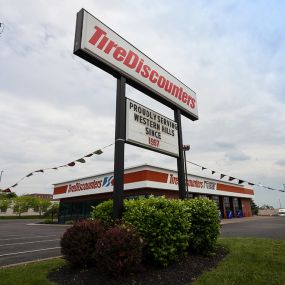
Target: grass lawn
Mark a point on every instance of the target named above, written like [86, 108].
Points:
[29, 274]
[251, 261]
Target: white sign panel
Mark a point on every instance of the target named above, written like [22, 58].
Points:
[147, 128]
[100, 42]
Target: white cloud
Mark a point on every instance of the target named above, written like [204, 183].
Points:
[55, 107]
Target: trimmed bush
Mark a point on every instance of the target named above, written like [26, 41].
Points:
[163, 223]
[78, 242]
[205, 225]
[119, 250]
[103, 212]
[169, 226]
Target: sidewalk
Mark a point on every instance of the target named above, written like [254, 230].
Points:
[245, 219]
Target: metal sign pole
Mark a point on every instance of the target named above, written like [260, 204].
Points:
[180, 159]
[119, 156]
[186, 174]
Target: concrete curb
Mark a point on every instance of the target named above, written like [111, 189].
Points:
[57, 225]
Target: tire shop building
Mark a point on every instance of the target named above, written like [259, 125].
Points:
[78, 196]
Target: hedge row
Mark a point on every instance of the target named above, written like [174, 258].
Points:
[169, 227]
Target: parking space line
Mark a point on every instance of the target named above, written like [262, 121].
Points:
[29, 251]
[11, 235]
[34, 236]
[18, 243]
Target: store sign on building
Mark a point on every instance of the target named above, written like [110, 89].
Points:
[100, 45]
[149, 129]
[194, 182]
[210, 185]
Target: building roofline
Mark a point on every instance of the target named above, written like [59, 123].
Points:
[146, 165]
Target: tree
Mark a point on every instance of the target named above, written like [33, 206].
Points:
[40, 205]
[4, 203]
[254, 207]
[21, 204]
[266, 207]
[11, 195]
[52, 211]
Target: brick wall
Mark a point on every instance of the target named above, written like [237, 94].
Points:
[246, 209]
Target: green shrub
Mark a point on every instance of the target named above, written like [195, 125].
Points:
[205, 225]
[169, 226]
[78, 242]
[103, 212]
[119, 250]
[164, 225]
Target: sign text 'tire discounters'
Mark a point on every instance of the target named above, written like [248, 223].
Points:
[99, 41]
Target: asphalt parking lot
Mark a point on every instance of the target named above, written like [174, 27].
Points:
[20, 241]
[259, 227]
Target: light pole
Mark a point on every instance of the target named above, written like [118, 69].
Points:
[186, 148]
[1, 177]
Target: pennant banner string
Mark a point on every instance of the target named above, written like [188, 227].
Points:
[231, 178]
[70, 164]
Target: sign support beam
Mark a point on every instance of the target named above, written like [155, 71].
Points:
[119, 156]
[180, 159]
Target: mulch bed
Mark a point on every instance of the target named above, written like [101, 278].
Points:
[184, 271]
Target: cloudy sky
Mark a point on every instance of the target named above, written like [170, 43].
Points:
[55, 107]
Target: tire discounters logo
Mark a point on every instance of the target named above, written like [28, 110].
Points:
[98, 41]
[107, 181]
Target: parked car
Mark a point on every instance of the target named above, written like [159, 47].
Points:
[281, 212]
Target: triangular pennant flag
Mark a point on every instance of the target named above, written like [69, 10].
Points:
[71, 163]
[222, 176]
[240, 181]
[39, 171]
[282, 191]
[203, 168]
[98, 152]
[82, 160]
[29, 174]
[249, 183]
[55, 168]
[231, 178]
[213, 172]
[14, 185]
[88, 155]
[7, 190]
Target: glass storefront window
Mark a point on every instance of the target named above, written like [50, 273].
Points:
[216, 200]
[227, 204]
[76, 210]
[235, 203]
